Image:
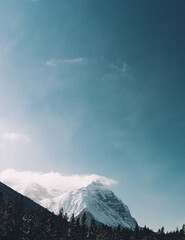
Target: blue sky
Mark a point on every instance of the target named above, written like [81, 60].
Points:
[97, 87]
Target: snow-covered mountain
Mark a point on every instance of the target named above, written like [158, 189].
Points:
[95, 199]
[37, 192]
[10, 195]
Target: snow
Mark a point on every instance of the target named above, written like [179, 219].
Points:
[10, 195]
[96, 199]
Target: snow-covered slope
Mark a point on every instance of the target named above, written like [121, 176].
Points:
[37, 192]
[10, 194]
[99, 201]
[96, 200]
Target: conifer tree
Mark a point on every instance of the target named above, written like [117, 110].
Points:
[84, 226]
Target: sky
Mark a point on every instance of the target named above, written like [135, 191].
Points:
[97, 87]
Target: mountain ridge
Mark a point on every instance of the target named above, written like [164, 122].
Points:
[99, 201]
[10, 194]
[95, 199]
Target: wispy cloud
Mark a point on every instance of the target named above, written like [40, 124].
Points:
[53, 62]
[122, 69]
[50, 180]
[14, 136]
[74, 60]
[116, 71]
[56, 62]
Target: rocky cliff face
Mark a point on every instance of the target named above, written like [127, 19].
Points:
[98, 201]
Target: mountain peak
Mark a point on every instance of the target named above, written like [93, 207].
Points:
[95, 184]
[96, 200]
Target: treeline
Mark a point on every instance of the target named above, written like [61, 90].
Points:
[16, 224]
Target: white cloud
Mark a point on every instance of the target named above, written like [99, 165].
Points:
[53, 62]
[123, 68]
[50, 180]
[74, 60]
[56, 62]
[117, 71]
[2, 146]
[114, 67]
[13, 136]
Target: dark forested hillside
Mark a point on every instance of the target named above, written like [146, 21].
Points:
[11, 195]
[17, 223]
